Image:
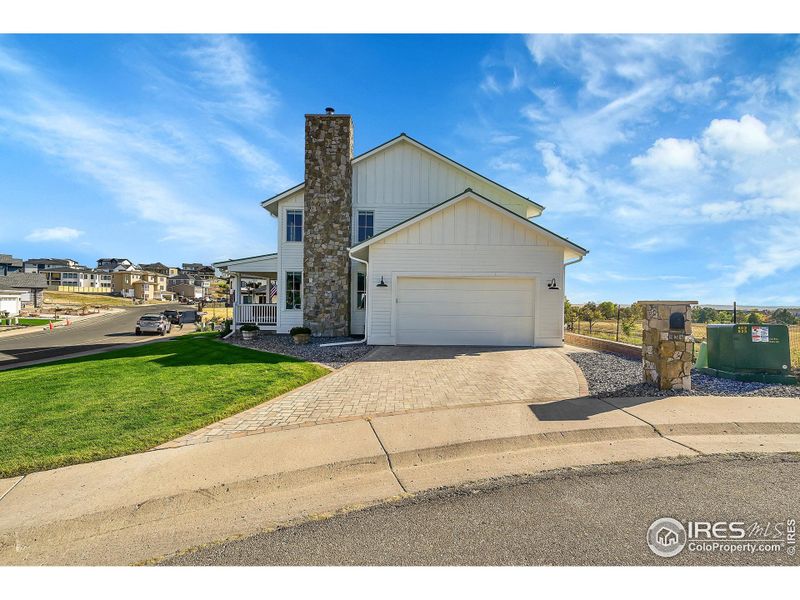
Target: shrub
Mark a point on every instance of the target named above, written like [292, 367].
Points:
[226, 327]
[299, 331]
[248, 327]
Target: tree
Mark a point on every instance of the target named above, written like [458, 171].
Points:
[629, 316]
[608, 310]
[784, 316]
[724, 316]
[704, 314]
[589, 313]
[755, 318]
[570, 313]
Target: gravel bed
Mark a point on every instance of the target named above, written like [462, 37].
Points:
[332, 356]
[612, 375]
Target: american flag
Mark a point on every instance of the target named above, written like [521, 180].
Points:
[273, 290]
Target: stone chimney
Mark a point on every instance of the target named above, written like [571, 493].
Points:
[327, 216]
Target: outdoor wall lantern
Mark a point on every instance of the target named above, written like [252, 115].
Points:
[552, 285]
[382, 283]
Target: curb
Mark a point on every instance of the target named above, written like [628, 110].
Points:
[191, 514]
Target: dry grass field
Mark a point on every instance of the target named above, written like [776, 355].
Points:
[52, 298]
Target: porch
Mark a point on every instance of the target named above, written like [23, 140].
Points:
[253, 283]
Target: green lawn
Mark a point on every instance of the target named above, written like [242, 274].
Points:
[34, 322]
[129, 400]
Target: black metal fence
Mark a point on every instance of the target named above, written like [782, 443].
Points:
[623, 323]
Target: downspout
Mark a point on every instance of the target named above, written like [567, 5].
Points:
[366, 315]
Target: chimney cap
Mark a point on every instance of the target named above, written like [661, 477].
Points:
[329, 110]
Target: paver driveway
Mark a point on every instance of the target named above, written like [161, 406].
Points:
[394, 379]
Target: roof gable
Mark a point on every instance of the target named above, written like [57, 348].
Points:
[552, 238]
[532, 208]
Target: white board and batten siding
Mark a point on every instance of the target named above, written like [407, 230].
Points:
[290, 258]
[468, 253]
[404, 180]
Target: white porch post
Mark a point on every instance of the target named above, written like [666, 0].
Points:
[237, 299]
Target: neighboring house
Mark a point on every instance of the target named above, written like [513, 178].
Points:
[37, 265]
[142, 285]
[181, 284]
[158, 267]
[406, 246]
[31, 285]
[190, 291]
[198, 270]
[9, 264]
[78, 279]
[115, 265]
[10, 302]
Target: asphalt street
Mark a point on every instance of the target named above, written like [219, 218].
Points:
[105, 331]
[588, 516]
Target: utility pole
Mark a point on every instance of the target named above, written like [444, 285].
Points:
[734, 312]
[617, 322]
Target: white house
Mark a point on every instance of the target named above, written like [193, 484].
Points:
[406, 246]
[10, 302]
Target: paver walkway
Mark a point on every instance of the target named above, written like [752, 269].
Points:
[397, 379]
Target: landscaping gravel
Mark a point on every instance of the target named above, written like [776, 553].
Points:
[612, 375]
[331, 356]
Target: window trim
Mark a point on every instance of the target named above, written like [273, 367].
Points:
[367, 212]
[301, 212]
[288, 290]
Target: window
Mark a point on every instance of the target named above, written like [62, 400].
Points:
[294, 290]
[361, 291]
[294, 225]
[365, 224]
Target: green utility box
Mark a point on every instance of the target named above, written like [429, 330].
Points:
[746, 352]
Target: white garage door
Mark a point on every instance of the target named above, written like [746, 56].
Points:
[465, 311]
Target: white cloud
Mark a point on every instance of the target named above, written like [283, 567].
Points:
[696, 90]
[670, 154]
[223, 65]
[748, 135]
[148, 178]
[266, 172]
[53, 234]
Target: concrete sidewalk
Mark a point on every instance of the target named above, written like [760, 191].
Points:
[135, 508]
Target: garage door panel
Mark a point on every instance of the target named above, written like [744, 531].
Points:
[465, 311]
[422, 310]
[498, 296]
[446, 323]
[463, 283]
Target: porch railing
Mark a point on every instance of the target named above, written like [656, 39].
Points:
[258, 314]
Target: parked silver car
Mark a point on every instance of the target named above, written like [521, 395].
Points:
[153, 323]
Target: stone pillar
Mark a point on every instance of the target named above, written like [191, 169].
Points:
[327, 224]
[667, 343]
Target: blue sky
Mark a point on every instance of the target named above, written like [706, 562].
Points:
[674, 159]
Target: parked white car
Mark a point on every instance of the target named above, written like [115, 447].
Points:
[153, 323]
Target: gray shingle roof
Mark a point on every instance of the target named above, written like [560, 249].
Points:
[7, 259]
[23, 280]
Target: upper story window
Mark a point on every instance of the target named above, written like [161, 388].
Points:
[366, 220]
[294, 225]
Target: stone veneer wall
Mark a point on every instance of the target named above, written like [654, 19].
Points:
[667, 353]
[327, 222]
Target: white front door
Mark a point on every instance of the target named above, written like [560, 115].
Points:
[465, 311]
